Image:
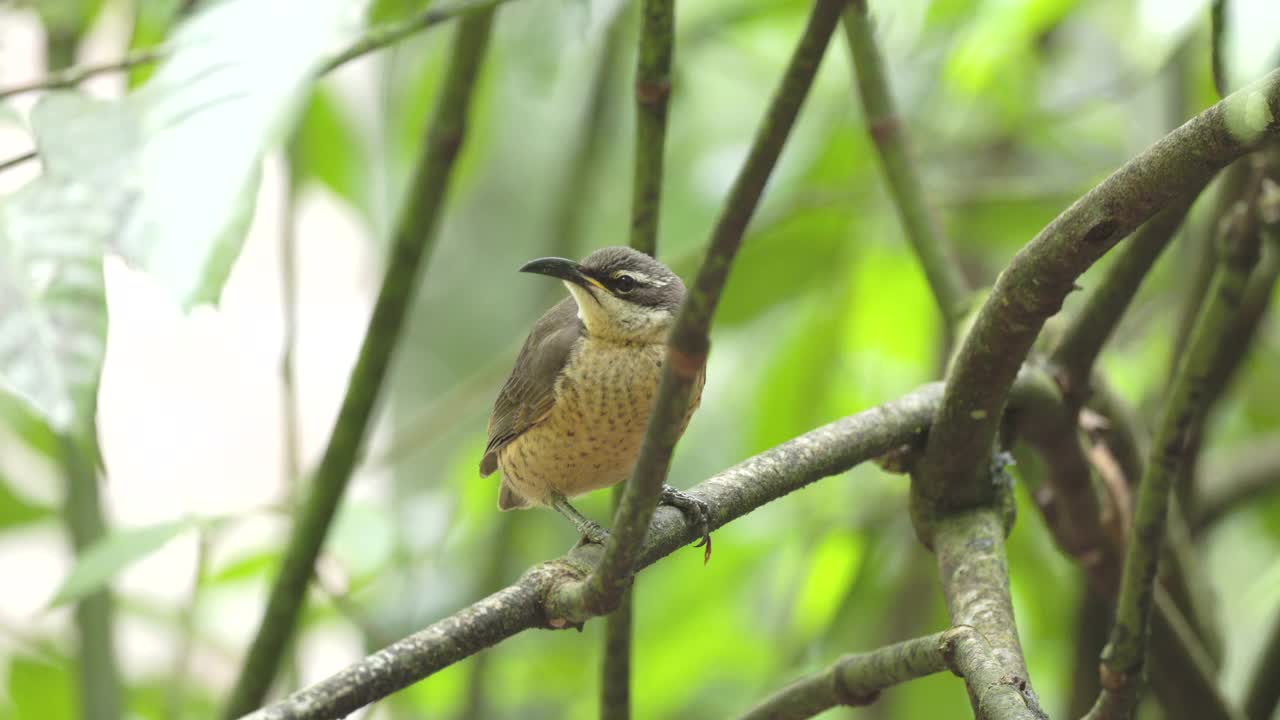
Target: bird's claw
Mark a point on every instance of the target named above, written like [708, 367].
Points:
[696, 510]
[593, 533]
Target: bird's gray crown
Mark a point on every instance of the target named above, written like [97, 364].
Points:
[634, 276]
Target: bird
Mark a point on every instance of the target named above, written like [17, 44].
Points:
[573, 413]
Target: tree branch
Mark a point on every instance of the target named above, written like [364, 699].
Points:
[76, 74]
[1089, 329]
[98, 675]
[950, 290]
[1039, 277]
[652, 92]
[1123, 659]
[414, 238]
[1182, 672]
[1218, 26]
[975, 580]
[17, 160]
[539, 598]
[995, 694]
[393, 32]
[855, 680]
[688, 343]
[1230, 187]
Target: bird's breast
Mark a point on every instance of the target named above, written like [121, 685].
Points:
[593, 434]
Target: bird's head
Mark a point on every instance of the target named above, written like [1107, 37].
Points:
[622, 294]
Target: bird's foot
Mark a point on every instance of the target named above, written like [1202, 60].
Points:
[696, 510]
[592, 532]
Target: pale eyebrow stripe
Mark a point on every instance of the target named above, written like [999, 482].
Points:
[640, 278]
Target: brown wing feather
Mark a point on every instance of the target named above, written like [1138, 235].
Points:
[528, 395]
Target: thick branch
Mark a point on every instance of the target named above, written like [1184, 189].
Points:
[539, 598]
[652, 92]
[412, 243]
[854, 679]
[1123, 660]
[688, 345]
[1089, 330]
[1033, 286]
[950, 291]
[975, 580]
[995, 694]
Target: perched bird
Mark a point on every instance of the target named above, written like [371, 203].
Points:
[571, 417]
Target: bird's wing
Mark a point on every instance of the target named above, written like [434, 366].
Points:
[528, 395]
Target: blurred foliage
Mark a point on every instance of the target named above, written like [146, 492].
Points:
[1015, 107]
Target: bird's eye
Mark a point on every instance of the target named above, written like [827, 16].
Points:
[624, 284]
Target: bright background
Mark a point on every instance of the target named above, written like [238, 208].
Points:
[1015, 107]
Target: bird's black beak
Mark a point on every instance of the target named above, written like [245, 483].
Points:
[563, 269]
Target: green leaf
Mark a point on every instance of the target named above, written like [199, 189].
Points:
[230, 91]
[152, 22]
[249, 567]
[328, 149]
[53, 319]
[16, 511]
[19, 417]
[68, 17]
[42, 691]
[98, 565]
[381, 11]
[168, 177]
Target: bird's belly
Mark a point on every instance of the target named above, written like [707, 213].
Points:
[592, 436]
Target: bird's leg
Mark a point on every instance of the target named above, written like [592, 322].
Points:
[696, 510]
[590, 529]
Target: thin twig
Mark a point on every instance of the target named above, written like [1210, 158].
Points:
[1123, 660]
[99, 680]
[76, 74]
[1033, 286]
[289, 411]
[652, 93]
[688, 344]
[414, 238]
[854, 680]
[17, 160]
[372, 40]
[1218, 26]
[176, 693]
[543, 597]
[951, 292]
[393, 32]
